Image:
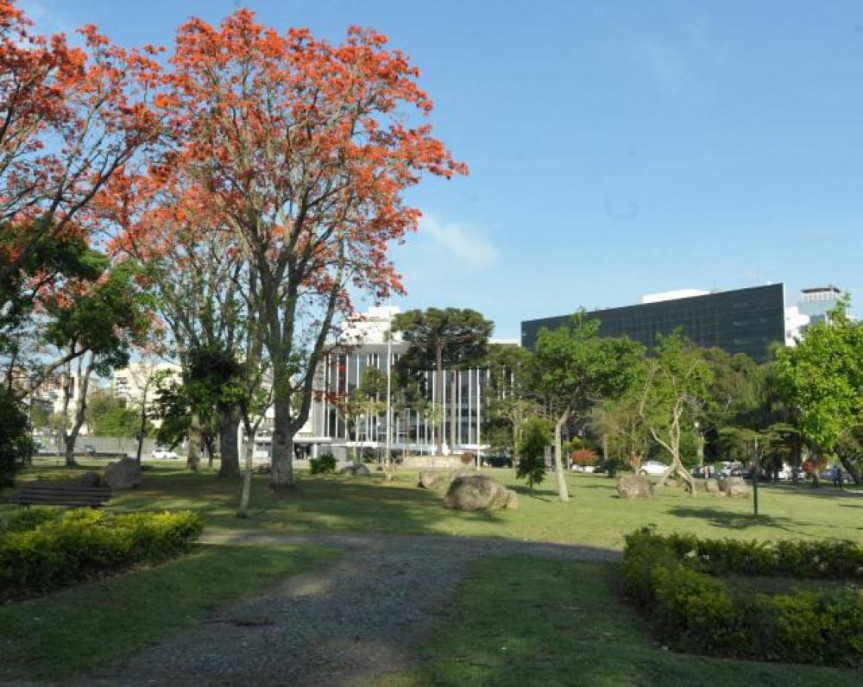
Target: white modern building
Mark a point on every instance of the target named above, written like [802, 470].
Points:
[364, 343]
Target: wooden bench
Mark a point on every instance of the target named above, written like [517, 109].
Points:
[60, 494]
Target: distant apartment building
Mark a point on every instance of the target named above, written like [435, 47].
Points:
[138, 383]
[740, 321]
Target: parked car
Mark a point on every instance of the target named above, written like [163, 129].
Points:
[89, 449]
[652, 467]
[583, 468]
[164, 453]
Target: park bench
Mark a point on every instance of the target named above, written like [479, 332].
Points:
[59, 494]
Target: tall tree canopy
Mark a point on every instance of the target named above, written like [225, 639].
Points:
[441, 339]
[72, 117]
[573, 367]
[302, 150]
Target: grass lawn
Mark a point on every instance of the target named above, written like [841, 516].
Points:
[595, 515]
[92, 624]
[523, 621]
[515, 620]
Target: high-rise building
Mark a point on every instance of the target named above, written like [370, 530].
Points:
[741, 321]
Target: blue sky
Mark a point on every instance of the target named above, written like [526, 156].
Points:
[616, 148]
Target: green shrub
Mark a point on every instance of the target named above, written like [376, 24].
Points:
[30, 518]
[672, 579]
[43, 551]
[15, 444]
[531, 451]
[323, 464]
[786, 558]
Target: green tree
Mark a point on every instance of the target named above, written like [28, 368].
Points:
[15, 444]
[95, 329]
[674, 390]
[823, 378]
[572, 368]
[440, 340]
[621, 424]
[109, 416]
[507, 397]
[531, 450]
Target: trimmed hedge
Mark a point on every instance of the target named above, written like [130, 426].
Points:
[671, 578]
[43, 549]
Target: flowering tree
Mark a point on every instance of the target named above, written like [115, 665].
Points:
[303, 149]
[71, 118]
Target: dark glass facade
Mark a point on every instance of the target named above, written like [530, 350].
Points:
[741, 321]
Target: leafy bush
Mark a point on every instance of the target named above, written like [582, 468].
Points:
[323, 464]
[583, 456]
[531, 451]
[44, 550]
[786, 558]
[669, 577]
[30, 518]
[15, 444]
[468, 457]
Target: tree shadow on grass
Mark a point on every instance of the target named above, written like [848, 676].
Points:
[319, 504]
[538, 494]
[822, 492]
[736, 521]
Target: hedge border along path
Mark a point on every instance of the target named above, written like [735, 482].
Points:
[673, 579]
[45, 549]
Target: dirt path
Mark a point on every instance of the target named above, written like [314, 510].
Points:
[350, 623]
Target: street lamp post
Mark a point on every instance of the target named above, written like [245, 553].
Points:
[388, 441]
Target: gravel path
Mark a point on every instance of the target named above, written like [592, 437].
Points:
[346, 624]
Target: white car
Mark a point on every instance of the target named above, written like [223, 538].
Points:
[162, 453]
[652, 467]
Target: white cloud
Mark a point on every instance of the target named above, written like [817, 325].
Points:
[457, 242]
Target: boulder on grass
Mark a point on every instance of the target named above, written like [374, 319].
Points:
[90, 479]
[711, 486]
[478, 492]
[434, 479]
[355, 470]
[735, 487]
[632, 486]
[124, 474]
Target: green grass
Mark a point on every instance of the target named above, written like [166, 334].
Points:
[561, 623]
[526, 621]
[88, 626]
[595, 515]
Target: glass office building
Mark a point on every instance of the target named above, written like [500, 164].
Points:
[740, 321]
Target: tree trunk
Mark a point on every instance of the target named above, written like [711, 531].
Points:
[69, 449]
[850, 466]
[283, 446]
[562, 491]
[677, 467]
[229, 426]
[246, 494]
[193, 455]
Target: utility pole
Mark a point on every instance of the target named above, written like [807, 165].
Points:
[388, 442]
